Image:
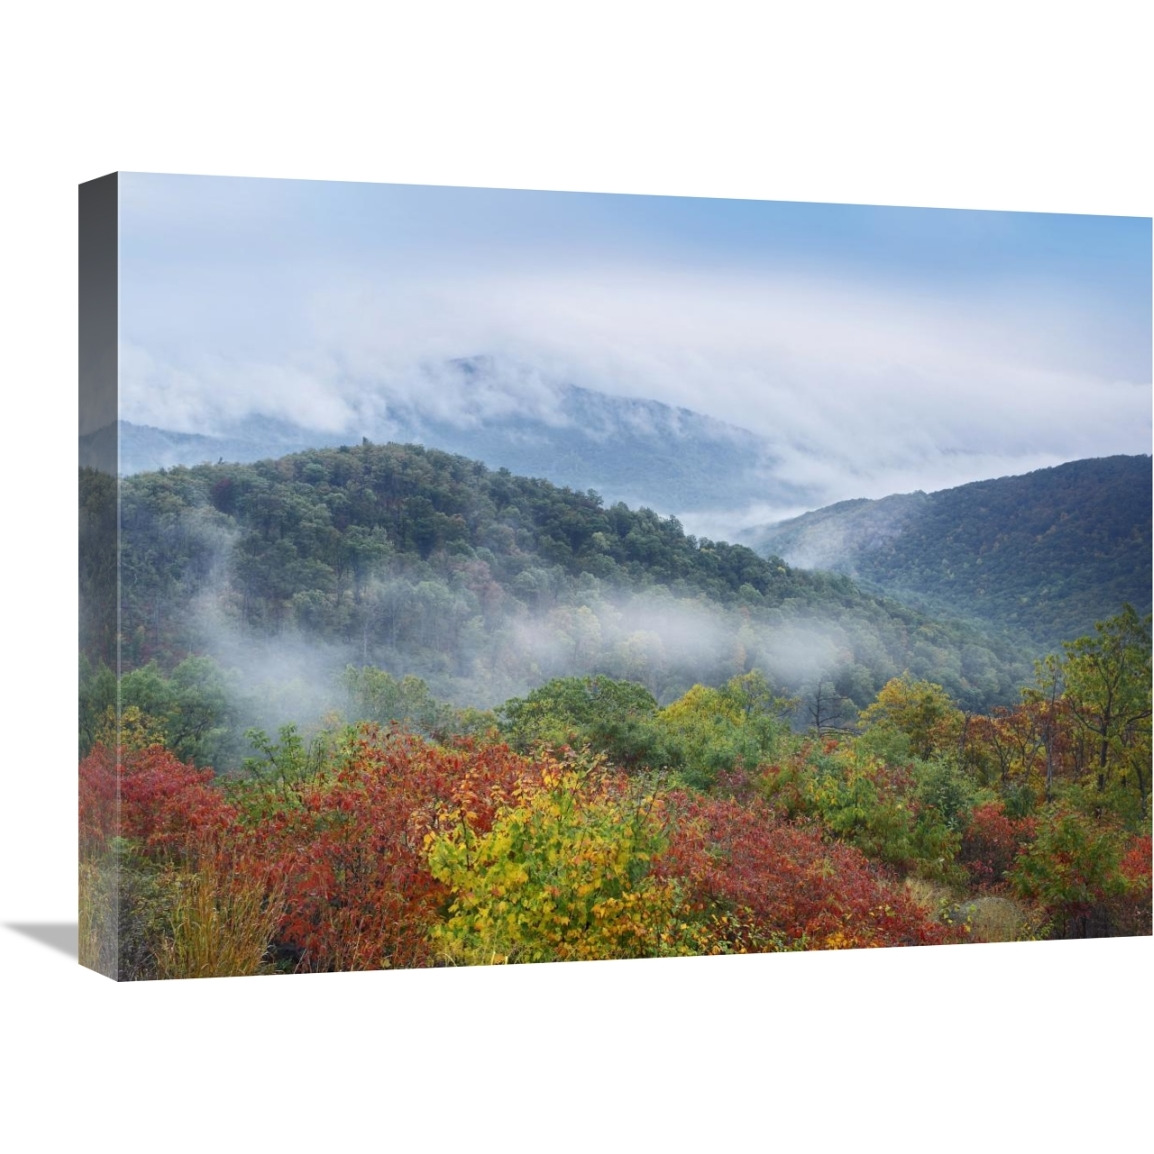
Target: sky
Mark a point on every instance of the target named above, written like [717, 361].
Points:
[878, 349]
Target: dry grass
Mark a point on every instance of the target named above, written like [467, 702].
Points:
[97, 919]
[989, 918]
[88, 938]
[221, 924]
[931, 896]
[1000, 919]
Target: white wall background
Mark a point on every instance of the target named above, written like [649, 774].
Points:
[1005, 105]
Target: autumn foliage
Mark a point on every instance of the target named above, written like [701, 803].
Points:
[166, 854]
[350, 847]
[373, 847]
[755, 883]
[563, 873]
[150, 797]
[991, 843]
[405, 853]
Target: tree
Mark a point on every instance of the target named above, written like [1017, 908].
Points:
[610, 715]
[755, 697]
[825, 708]
[920, 710]
[375, 695]
[991, 843]
[707, 732]
[753, 883]
[347, 844]
[1106, 681]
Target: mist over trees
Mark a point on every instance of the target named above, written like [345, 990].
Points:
[584, 821]
[485, 585]
[379, 705]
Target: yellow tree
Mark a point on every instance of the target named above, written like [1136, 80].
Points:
[564, 873]
[1105, 682]
[921, 710]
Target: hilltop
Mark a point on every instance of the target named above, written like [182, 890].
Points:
[486, 583]
[1044, 555]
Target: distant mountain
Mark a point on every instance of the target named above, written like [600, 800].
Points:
[642, 452]
[1046, 554]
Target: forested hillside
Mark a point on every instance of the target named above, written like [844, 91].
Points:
[487, 584]
[1046, 554]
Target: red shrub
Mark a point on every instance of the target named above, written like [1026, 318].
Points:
[1131, 913]
[151, 797]
[352, 854]
[777, 885]
[991, 843]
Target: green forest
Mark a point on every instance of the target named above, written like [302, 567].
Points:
[486, 584]
[1041, 556]
[383, 707]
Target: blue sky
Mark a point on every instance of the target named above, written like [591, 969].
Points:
[880, 349]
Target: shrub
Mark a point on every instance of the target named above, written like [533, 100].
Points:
[563, 873]
[1073, 869]
[756, 883]
[991, 842]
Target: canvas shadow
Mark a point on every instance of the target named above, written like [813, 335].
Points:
[60, 936]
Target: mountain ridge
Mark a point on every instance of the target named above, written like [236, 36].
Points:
[485, 584]
[631, 449]
[1045, 553]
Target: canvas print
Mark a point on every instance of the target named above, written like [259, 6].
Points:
[475, 576]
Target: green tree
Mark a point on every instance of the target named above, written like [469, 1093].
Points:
[710, 731]
[374, 695]
[1106, 681]
[1073, 869]
[920, 710]
[611, 716]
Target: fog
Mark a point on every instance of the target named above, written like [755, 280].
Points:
[856, 393]
[294, 676]
[875, 350]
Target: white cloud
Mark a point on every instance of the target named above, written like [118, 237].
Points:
[860, 390]
[208, 393]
